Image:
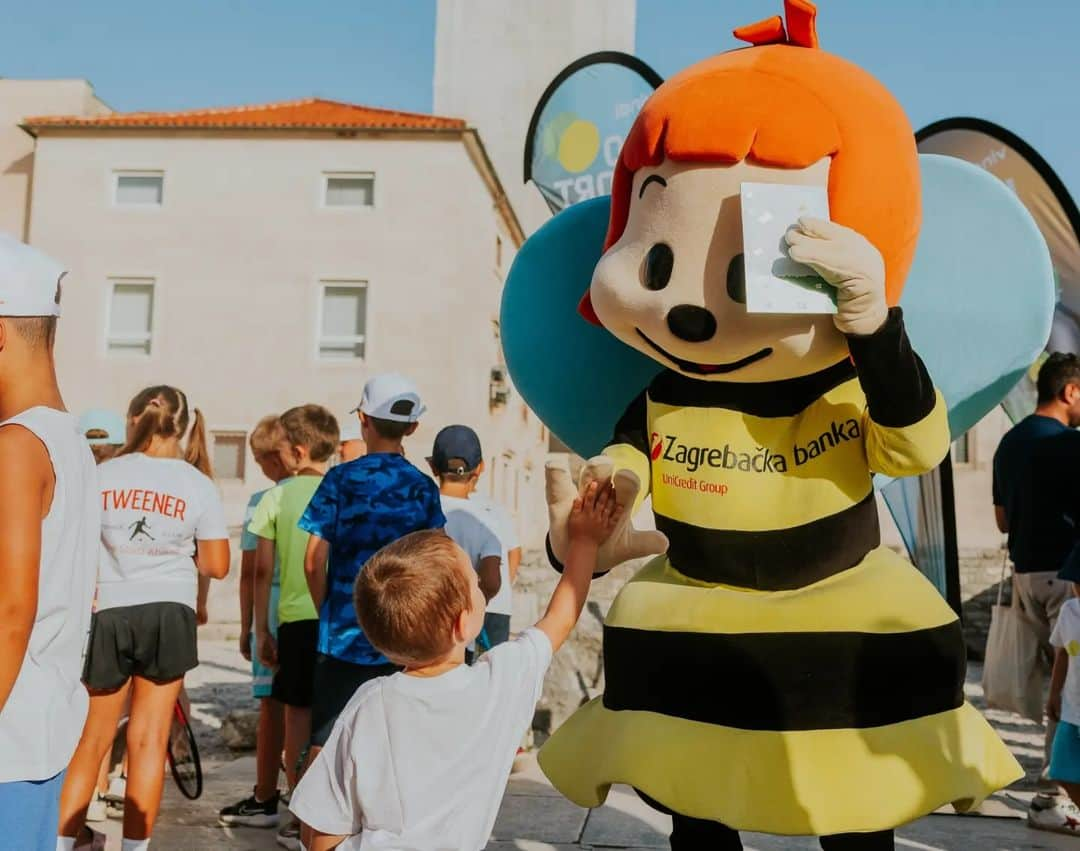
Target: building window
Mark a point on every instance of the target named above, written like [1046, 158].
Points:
[961, 449]
[140, 188]
[342, 320]
[131, 316]
[230, 450]
[349, 190]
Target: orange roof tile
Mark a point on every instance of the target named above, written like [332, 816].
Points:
[309, 114]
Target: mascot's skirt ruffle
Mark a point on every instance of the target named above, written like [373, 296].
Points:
[833, 708]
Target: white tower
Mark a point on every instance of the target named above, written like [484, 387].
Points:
[494, 58]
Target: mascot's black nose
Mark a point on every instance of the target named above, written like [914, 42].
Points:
[691, 323]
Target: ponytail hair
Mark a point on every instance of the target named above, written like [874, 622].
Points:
[197, 452]
[162, 411]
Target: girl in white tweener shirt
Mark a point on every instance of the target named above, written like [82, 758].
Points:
[163, 535]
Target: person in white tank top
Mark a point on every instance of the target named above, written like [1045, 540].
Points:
[163, 535]
[49, 526]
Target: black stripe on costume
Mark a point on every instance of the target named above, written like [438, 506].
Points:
[759, 399]
[558, 565]
[894, 379]
[633, 426]
[775, 559]
[786, 681]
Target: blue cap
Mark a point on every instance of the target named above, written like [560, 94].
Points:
[101, 420]
[456, 450]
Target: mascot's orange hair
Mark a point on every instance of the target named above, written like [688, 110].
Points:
[787, 104]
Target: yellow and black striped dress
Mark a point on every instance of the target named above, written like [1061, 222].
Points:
[778, 670]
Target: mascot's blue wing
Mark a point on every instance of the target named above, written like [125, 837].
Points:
[978, 305]
[576, 376]
[979, 299]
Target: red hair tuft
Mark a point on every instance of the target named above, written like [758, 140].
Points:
[801, 30]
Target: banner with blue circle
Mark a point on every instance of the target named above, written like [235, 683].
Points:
[580, 123]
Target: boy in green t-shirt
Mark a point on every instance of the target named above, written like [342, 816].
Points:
[311, 435]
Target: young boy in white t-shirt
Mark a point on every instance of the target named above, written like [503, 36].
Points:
[420, 759]
[1063, 704]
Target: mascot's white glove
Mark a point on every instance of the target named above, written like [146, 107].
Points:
[848, 261]
[626, 542]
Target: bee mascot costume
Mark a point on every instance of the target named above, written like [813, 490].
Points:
[774, 668]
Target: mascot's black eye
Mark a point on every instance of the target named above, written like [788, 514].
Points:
[658, 263]
[736, 280]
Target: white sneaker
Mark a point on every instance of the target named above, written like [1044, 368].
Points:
[98, 810]
[1058, 815]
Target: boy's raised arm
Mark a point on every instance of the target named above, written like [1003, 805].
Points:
[25, 490]
[592, 520]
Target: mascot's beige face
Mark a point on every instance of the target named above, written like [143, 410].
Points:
[672, 286]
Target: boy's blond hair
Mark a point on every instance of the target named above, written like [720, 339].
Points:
[410, 594]
[267, 436]
[314, 428]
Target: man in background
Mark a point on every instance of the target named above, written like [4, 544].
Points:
[1036, 471]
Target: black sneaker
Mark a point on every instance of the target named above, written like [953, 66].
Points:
[252, 813]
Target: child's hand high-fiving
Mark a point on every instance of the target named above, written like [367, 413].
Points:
[592, 518]
[595, 514]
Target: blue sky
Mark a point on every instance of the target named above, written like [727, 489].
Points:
[1010, 61]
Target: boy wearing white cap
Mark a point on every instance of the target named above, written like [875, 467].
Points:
[358, 509]
[50, 523]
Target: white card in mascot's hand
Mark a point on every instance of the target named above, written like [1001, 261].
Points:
[774, 282]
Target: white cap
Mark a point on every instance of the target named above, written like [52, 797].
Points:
[350, 427]
[391, 397]
[29, 280]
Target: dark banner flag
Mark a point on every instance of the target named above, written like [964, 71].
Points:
[580, 123]
[1022, 169]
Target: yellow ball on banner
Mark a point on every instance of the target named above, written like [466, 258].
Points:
[579, 145]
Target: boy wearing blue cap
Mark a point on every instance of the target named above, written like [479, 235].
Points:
[359, 508]
[50, 525]
[480, 527]
[454, 459]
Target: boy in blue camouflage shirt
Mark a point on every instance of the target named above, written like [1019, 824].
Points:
[359, 508]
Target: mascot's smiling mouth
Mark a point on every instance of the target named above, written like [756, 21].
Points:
[707, 368]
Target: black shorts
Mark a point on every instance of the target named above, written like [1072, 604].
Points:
[336, 681]
[155, 641]
[294, 678]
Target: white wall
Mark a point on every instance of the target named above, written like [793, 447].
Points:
[522, 45]
[237, 250]
[20, 99]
